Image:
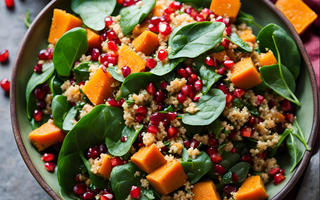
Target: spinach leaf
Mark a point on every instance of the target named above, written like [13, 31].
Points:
[68, 122]
[297, 131]
[229, 159]
[93, 12]
[55, 85]
[81, 72]
[235, 39]
[35, 125]
[210, 107]
[240, 104]
[35, 80]
[296, 150]
[161, 69]
[288, 50]
[241, 146]
[248, 19]
[133, 15]
[60, 108]
[196, 168]
[68, 49]
[215, 127]
[241, 169]
[282, 138]
[201, 36]
[114, 74]
[197, 3]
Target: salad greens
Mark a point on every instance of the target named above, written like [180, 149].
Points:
[60, 108]
[248, 19]
[161, 69]
[241, 169]
[81, 72]
[235, 39]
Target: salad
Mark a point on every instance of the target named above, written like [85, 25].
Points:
[164, 100]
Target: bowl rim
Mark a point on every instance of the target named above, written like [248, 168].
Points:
[280, 195]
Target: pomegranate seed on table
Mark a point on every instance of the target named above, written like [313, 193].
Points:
[89, 195]
[135, 192]
[196, 99]
[168, 11]
[95, 53]
[247, 158]
[151, 89]
[165, 18]
[156, 118]
[49, 166]
[37, 115]
[41, 104]
[252, 121]
[192, 80]
[262, 155]
[153, 28]
[142, 110]
[181, 98]
[39, 94]
[221, 19]
[280, 127]
[194, 143]
[246, 131]
[50, 53]
[229, 98]
[163, 85]
[124, 139]
[213, 142]
[186, 144]
[5, 84]
[271, 103]
[79, 189]
[221, 70]
[9, 3]
[141, 145]
[228, 64]
[126, 71]
[103, 38]
[139, 118]
[219, 169]
[239, 92]
[212, 150]
[47, 157]
[43, 54]
[164, 28]
[198, 85]
[192, 12]
[106, 197]
[216, 158]
[228, 189]
[152, 129]
[273, 171]
[159, 97]
[233, 150]
[108, 21]
[185, 90]
[278, 178]
[183, 73]
[4, 55]
[172, 131]
[224, 88]
[206, 12]
[77, 177]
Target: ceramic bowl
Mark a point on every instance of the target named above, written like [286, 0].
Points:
[36, 39]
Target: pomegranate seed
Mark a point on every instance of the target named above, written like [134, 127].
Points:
[117, 161]
[211, 61]
[39, 94]
[286, 106]
[221, 70]
[108, 21]
[113, 103]
[111, 35]
[212, 150]
[198, 85]
[152, 129]
[247, 158]
[4, 55]
[41, 104]
[50, 53]
[47, 157]
[159, 97]
[172, 131]
[282, 171]
[192, 12]
[112, 46]
[151, 63]
[229, 98]
[213, 142]
[221, 19]
[206, 13]
[89, 195]
[165, 18]
[38, 115]
[271, 103]
[196, 99]
[228, 189]
[274, 171]
[126, 71]
[175, 5]
[5, 84]
[228, 64]
[135, 192]
[246, 131]
[77, 177]
[211, 136]
[43, 54]
[103, 38]
[233, 150]
[9, 3]
[95, 54]
[194, 143]
[127, 3]
[162, 54]
[171, 115]
[102, 148]
[280, 127]
[181, 98]
[151, 89]
[216, 158]
[200, 18]
[219, 169]
[185, 90]
[278, 178]
[155, 20]
[153, 28]
[120, 102]
[38, 68]
[252, 121]
[189, 70]
[96, 191]
[186, 144]
[224, 88]
[124, 139]
[183, 73]
[164, 28]
[259, 99]
[234, 177]
[168, 11]
[262, 155]
[156, 118]
[79, 189]
[232, 134]
[239, 92]
[142, 110]
[163, 85]
[228, 30]
[49, 166]
[139, 118]
[225, 43]
[290, 117]
[106, 197]
[192, 79]
[93, 153]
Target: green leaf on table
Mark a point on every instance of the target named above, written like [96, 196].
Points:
[26, 19]
[235, 39]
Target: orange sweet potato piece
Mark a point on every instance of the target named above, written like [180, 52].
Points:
[247, 36]
[158, 10]
[148, 158]
[220, 55]
[45, 136]
[205, 191]
[230, 54]
[252, 189]
[106, 167]
[268, 59]
[61, 23]
[140, 28]
[147, 42]
[168, 177]
[226, 8]
[100, 87]
[298, 13]
[93, 39]
[127, 57]
[244, 74]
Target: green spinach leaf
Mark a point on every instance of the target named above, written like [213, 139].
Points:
[282, 138]
[81, 72]
[241, 169]
[114, 74]
[215, 127]
[60, 108]
[55, 85]
[133, 15]
[240, 104]
[69, 49]
[201, 36]
[68, 121]
[161, 69]
[235, 39]
[229, 159]
[296, 150]
[248, 19]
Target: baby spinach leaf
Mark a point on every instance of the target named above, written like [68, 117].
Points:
[60, 107]
[201, 36]
[93, 12]
[298, 132]
[240, 104]
[69, 49]
[215, 127]
[229, 159]
[68, 122]
[133, 15]
[161, 69]
[296, 150]
[35, 80]
[114, 74]
[241, 146]
[282, 138]
[55, 85]
[248, 19]
[210, 107]
[241, 169]
[196, 168]
[197, 3]
[81, 72]
[235, 39]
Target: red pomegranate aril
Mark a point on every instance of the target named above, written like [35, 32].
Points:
[157, 117]
[79, 189]
[252, 121]
[196, 99]
[112, 46]
[139, 117]
[210, 60]
[151, 89]
[5, 84]
[192, 12]
[259, 99]
[142, 110]
[212, 150]
[43, 54]
[186, 144]
[228, 64]
[185, 90]
[189, 71]
[112, 102]
[191, 80]
[151, 63]
[280, 127]
[153, 28]
[117, 161]
[247, 158]
[159, 97]
[162, 54]
[9, 3]
[224, 88]
[96, 191]
[286, 105]
[77, 177]
[228, 189]
[49, 166]
[112, 59]
[181, 98]
[124, 139]
[172, 131]
[282, 171]
[262, 155]
[221, 19]
[95, 54]
[92, 153]
[164, 28]
[155, 20]
[120, 102]
[290, 117]
[239, 92]
[273, 171]
[81, 83]
[221, 70]
[50, 53]
[38, 115]
[271, 103]
[165, 18]
[194, 143]
[229, 98]
[171, 115]
[228, 30]
[175, 5]
[103, 38]
[198, 85]
[4, 55]
[39, 94]
[234, 177]
[89, 195]
[225, 43]
[106, 197]
[232, 134]
[41, 104]
[211, 136]
[108, 21]
[200, 18]
[233, 150]
[168, 11]
[183, 73]
[219, 169]
[216, 158]
[102, 148]
[163, 85]
[135, 192]
[206, 13]
[127, 3]
[278, 178]
[246, 131]
[152, 129]
[47, 157]
[213, 142]
[112, 35]
[126, 71]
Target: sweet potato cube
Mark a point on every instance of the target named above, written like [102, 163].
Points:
[127, 57]
[93, 39]
[61, 23]
[252, 189]
[158, 10]
[244, 74]
[140, 28]
[298, 13]
[247, 36]
[100, 87]
[168, 177]
[267, 59]
[226, 8]
[230, 54]
[147, 42]
[148, 158]
[46, 135]
[220, 56]
[106, 167]
[205, 191]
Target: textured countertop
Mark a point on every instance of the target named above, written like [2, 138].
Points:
[16, 182]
